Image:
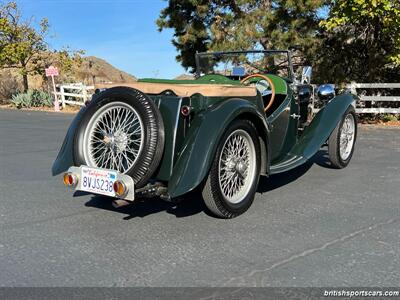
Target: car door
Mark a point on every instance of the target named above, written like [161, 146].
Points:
[284, 126]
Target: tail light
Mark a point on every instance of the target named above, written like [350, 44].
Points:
[120, 188]
[70, 179]
[185, 110]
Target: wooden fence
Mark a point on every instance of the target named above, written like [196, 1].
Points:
[75, 93]
[380, 103]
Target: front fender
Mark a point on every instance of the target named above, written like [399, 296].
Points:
[200, 145]
[65, 158]
[322, 125]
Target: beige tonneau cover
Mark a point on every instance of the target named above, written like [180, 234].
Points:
[187, 90]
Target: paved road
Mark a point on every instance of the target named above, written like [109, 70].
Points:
[314, 226]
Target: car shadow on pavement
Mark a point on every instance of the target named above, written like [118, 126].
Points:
[192, 204]
[189, 206]
[273, 182]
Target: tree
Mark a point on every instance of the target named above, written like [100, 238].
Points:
[20, 43]
[219, 25]
[23, 45]
[361, 41]
[66, 59]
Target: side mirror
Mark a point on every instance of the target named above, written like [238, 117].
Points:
[306, 75]
[326, 92]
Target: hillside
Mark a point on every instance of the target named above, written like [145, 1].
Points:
[91, 70]
[185, 77]
[97, 70]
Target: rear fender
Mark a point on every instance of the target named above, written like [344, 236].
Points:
[200, 145]
[65, 157]
[322, 125]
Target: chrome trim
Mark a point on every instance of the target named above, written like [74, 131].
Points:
[127, 180]
[178, 113]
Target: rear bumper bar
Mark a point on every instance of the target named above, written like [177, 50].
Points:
[127, 180]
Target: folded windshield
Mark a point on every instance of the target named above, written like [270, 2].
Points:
[243, 63]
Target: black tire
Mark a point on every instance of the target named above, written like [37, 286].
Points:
[152, 150]
[212, 193]
[335, 156]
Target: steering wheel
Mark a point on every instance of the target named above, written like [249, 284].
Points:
[270, 84]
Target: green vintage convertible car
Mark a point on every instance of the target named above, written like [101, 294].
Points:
[238, 119]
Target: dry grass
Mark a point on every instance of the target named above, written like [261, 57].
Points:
[73, 109]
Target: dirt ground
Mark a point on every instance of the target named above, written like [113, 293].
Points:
[70, 109]
[382, 123]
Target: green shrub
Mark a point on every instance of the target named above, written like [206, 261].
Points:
[22, 99]
[42, 98]
[32, 98]
[389, 117]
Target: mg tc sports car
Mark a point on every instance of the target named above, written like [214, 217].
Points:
[238, 119]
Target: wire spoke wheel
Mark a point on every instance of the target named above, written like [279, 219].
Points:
[114, 137]
[342, 140]
[237, 166]
[232, 181]
[347, 134]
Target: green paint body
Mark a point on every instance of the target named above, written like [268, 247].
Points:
[191, 142]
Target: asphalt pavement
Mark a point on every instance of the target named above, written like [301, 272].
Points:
[313, 226]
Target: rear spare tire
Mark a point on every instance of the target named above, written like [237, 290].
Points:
[121, 129]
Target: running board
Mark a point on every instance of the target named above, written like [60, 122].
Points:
[288, 163]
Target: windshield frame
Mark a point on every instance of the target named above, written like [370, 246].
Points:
[211, 54]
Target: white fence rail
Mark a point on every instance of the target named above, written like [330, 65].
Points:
[76, 94]
[376, 98]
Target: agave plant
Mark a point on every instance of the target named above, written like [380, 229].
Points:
[32, 98]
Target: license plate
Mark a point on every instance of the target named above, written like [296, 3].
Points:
[98, 181]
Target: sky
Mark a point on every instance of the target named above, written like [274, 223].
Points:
[123, 32]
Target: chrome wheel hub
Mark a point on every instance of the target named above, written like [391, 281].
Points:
[118, 141]
[241, 168]
[237, 166]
